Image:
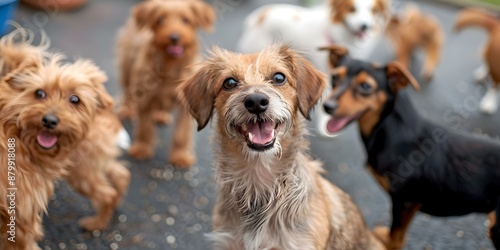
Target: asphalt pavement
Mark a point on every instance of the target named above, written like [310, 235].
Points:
[167, 208]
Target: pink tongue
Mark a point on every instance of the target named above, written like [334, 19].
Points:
[175, 50]
[335, 125]
[360, 35]
[46, 140]
[261, 133]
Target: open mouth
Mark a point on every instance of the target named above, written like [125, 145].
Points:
[337, 124]
[360, 35]
[175, 50]
[260, 135]
[46, 140]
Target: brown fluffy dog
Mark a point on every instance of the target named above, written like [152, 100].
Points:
[412, 30]
[271, 193]
[157, 46]
[56, 121]
[481, 18]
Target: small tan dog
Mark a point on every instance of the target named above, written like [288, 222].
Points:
[56, 122]
[271, 193]
[481, 18]
[157, 46]
[412, 30]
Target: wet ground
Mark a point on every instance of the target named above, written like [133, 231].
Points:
[168, 208]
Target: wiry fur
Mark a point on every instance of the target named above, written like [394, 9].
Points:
[150, 73]
[91, 169]
[272, 199]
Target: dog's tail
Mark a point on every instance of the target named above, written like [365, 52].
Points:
[476, 17]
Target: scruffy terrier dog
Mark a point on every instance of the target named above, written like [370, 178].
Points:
[412, 30]
[271, 193]
[56, 122]
[474, 17]
[157, 47]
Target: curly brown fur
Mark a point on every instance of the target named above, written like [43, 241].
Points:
[157, 48]
[271, 193]
[59, 116]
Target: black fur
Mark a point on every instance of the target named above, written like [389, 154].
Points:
[444, 172]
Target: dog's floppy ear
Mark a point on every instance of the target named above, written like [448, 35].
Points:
[337, 53]
[382, 7]
[197, 95]
[15, 77]
[398, 77]
[205, 15]
[310, 82]
[97, 77]
[146, 14]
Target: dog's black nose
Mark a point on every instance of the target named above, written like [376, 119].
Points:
[330, 106]
[363, 27]
[174, 38]
[50, 121]
[256, 103]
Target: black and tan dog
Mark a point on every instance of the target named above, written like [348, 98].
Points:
[422, 165]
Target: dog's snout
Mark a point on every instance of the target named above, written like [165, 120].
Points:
[330, 106]
[175, 38]
[256, 103]
[50, 121]
[364, 27]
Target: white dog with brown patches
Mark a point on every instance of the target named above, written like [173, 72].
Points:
[271, 193]
[355, 24]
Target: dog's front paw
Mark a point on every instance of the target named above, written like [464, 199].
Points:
[162, 117]
[92, 223]
[140, 151]
[481, 74]
[182, 159]
[489, 103]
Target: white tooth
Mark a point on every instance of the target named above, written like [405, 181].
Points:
[250, 136]
[244, 127]
[272, 134]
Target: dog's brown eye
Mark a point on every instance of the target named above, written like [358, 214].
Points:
[229, 83]
[279, 79]
[74, 99]
[185, 20]
[352, 9]
[40, 94]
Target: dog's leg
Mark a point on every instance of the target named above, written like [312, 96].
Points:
[143, 144]
[403, 54]
[181, 154]
[431, 60]
[402, 214]
[93, 184]
[126, 107]
[489, 103]
[119, 177]
[481, 73]
[494, 227]
[162, 117]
